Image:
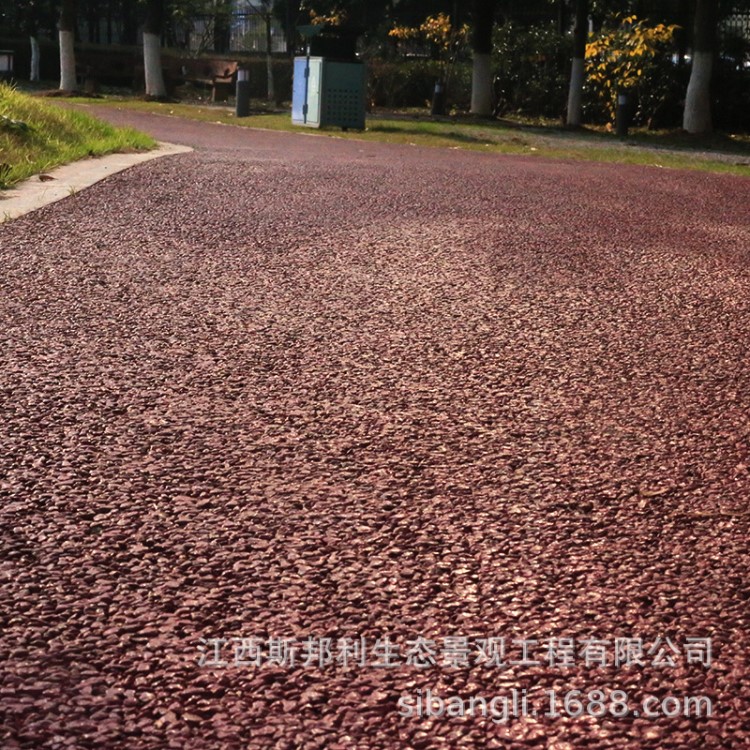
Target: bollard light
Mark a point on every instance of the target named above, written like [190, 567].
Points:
[622, 115]
[242, 102]
[438, 99]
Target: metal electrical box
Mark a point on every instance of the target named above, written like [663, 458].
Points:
[328, 92]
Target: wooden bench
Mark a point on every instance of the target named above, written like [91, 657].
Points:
[220, 75]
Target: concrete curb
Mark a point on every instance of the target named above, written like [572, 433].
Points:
[34, 193]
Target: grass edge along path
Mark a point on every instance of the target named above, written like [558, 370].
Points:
[36, 136]
[657, 150]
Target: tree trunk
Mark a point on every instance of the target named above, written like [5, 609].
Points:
[270, 90]
[91, 24]
[562, 17]
[152, 51]
[481, 85]
[578, 68]
[152, 66]
[481, 77]
[222, 31]
[109, 22]
[30, 25]
[129, 34]
[292, 19]
[67, 45]
[697, 115]
[34, 74]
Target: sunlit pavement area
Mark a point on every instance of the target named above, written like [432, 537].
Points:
[284, 415]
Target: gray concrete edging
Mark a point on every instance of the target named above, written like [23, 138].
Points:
[69, 179]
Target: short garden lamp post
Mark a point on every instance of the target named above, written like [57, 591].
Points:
[622, 114]
[6, 64]
[242, 106]
[438, 98]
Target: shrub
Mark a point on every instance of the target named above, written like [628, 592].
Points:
[446, 40]
[731, 84]
[632, 57]
[410, 83]
[532, 67]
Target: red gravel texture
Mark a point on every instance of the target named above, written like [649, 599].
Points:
[288, 386]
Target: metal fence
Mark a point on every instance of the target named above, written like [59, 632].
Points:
[738, 24]
[246, 32]
[241, 31]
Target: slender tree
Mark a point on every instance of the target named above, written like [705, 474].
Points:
[266, 11]
[289, 15]
[66, 35]
[152, 29]
[697, 114]
[578, 68]
[35, 57]
[222, 33]
[483, 19]
[30, 20]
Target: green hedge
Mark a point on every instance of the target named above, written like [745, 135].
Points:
[532, 69]
[410, 83]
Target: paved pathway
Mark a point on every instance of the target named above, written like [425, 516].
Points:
[300, 387]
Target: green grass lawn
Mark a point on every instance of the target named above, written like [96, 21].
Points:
[717, 153]
[36, 136]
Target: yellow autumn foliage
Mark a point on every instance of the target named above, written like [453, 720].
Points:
[618, 60]
[437, 30]
[336, 18]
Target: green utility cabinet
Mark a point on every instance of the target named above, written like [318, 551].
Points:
[328, 92]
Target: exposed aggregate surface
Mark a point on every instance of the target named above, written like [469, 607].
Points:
[286, 386]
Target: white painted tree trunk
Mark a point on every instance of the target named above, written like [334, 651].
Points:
[697, 114]
[575, 92]
[152, 66]
[34, 75]
[67, 61]
[481, 84]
